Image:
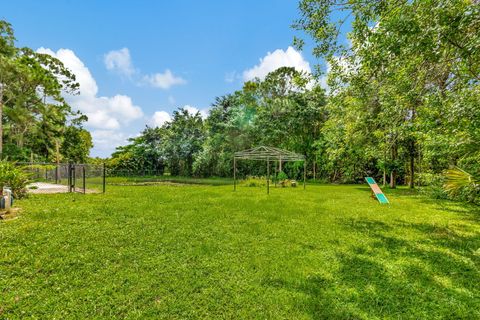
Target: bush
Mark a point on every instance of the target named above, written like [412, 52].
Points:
[432, 185]
[282, 176]
[251, 181]
[282, 179]
[13, 177]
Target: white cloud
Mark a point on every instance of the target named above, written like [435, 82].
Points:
[104, 113]
[101, 119]
[231, 76]
[159, 118]
[164, 80]
[107, 140]
[83, 76]
[119, 61]
[276, 59]
[193, 111]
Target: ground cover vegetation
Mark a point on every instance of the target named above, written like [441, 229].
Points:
[201, 251]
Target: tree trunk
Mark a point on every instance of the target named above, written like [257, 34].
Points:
[412, 171]
[1, 125]
[411, 183]
[393, 173]
[393, 178]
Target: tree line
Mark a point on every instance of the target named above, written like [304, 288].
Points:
[283, 110]
[402, 103]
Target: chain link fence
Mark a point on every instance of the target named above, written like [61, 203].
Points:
[82, 178]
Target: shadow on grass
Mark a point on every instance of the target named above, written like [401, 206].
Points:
[398, 192]
[158, 180]
[467, 211]
[434, 277]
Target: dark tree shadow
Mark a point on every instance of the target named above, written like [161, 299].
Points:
[435, 277]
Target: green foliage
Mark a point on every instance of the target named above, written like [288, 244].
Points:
[282, 176]
[457, 179]
[184, 139]
[402, 92]
[176, 145]
[36, 122]
[76, 144]
[14, 177]
[41, 167]
[462, 185]
[278, 110]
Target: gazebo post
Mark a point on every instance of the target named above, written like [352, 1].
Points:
[304, 172]
[275, 172]
[268, 176]
[234, 173]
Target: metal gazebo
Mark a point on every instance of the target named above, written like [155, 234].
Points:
[267, 154]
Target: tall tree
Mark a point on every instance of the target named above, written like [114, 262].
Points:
[7, 70]
[418, 55]
[31, 103]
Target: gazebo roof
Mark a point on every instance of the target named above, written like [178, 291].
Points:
[268, 153]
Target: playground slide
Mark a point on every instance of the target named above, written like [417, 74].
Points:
[376, 190]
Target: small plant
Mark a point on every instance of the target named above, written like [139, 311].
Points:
[282, 179]
[457, 179]
[13, 177]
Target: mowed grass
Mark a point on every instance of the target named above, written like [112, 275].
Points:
[193, 251]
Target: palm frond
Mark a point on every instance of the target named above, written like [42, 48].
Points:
[456, 179]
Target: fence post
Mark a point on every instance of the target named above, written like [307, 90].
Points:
[268, 176]
[104, 171]
[234, 174]
[304, 172]
[83, 176]
[74, 177]
[69, 174]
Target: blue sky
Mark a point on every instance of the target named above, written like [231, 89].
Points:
[137, 61]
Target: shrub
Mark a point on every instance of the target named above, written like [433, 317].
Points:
[282, 176]
[462, 185]
[432, 185]
[13, 177]
[251, 181]
[282, 179]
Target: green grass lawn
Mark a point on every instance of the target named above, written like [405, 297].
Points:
[196, 251]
